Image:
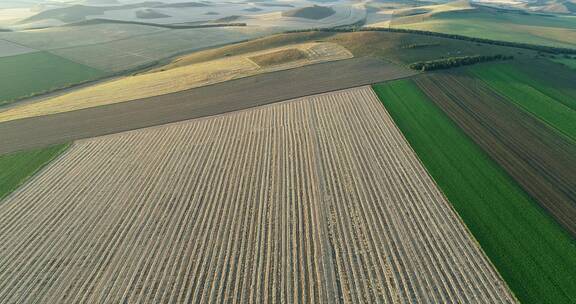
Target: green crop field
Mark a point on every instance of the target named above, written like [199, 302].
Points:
[16, 168]
[553, 105]
[30, 74]
[559, 31]
[530, 250]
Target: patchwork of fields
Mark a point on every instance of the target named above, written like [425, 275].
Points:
[169, 80]
[135, 51]
[540, 160]
[310, 166]
[219, 98]
[536, 257]
[298, 201]
[552, 101]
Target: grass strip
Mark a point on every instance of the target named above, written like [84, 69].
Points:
[528, 248]
[16, 168]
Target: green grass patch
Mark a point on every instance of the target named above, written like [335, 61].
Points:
[553, 106]
[30, 74]
[16, 168]
[529, 249]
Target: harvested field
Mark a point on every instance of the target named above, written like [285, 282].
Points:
[257, 45]
[531, 251]
[278, 57]
[542, 162]
[210, 100]
[168, 80]
[317, 200]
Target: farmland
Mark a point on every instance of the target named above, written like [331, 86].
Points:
[542, 162]
[215, 99]
[73, 36]
[16, 168]
[551, 103]
[137, 51]
[407, 48]
[172, 78]
[32, 73]
[252, 206]
[496, 24]
[138, 44]
[275, 151]
[10, 49]
[530, 250]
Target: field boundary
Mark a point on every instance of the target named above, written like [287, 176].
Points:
[450, 205]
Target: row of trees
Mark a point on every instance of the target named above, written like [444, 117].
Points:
[453, 62]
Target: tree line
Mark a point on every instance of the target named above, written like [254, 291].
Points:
[453, 62]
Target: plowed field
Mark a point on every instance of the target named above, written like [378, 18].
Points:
[317, 200]
[542, 162]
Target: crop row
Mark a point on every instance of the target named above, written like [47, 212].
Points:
[317, 200]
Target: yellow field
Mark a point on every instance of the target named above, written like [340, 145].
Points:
[174, 79]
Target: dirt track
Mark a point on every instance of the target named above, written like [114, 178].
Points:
[542, 162]
[317, 200]
[215, 99]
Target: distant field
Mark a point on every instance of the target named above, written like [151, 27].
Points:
[129, 53]
[33, 73]
[8, 48]
[314, 200]
[557, 31]
[117, 47]
[73, 36]
[176, 77]
[18, 167]
[554, 106]
[530, 250]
